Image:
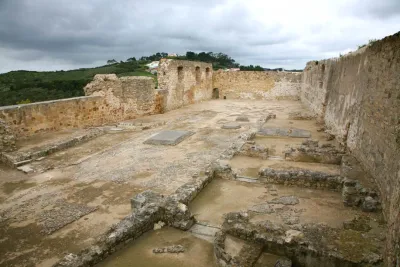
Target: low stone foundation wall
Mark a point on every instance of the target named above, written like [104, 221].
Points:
[268, 85]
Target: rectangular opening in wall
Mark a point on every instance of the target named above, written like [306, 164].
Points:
[198, 75]
[208, 73]
[180, 74]
[215, 93]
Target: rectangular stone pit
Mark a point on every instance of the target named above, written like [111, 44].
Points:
[169, 138]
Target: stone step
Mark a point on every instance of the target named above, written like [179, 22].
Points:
[247, 179]
[204, 231]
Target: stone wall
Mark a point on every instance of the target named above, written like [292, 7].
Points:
[314, 86]
[130, 95]
[186, 82]
[268, 85]
[358, 96]
[109, 99]
[7, 138]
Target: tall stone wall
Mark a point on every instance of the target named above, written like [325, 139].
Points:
[186, 82]
[268, 85]
[7, 138]
[314, 85]
[360, 103]
[109, 99]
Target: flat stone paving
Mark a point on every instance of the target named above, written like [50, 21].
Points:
[170, 138]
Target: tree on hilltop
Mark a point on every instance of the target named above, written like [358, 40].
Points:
[111, 61]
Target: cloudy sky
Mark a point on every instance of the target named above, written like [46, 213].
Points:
[67, 34]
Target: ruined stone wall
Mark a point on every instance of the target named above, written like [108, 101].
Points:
[109, 99]
[314, 85]
[7, 138]
[131, 95]
[268, 85]
[186, 82]
[360, 103]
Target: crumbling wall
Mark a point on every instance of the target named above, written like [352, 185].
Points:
[132, 95]
[109, 99]
[7, 138]
[268, 85]
[361, 107]
[187, 82]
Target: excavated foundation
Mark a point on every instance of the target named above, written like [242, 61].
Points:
[267, 201]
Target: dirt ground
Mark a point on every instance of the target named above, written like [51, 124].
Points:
[74, 195]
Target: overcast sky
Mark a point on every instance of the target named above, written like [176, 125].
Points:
[67, 34]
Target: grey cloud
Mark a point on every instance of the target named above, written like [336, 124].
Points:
[78, 33]
[382, 9]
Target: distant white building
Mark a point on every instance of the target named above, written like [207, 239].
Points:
[172, 55]
[153, 65]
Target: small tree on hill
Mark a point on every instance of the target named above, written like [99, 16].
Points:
[111, 61]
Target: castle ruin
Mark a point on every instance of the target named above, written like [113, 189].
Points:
[212, 168]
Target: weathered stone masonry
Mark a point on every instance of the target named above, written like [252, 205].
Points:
[358, 97]
[109, 99]
[269, 85]
[186, 82]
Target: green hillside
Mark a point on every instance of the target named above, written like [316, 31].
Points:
[32, 86]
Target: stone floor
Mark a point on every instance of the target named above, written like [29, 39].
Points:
[73, 195]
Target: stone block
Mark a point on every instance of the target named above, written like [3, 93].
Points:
[242, 118]
[144, 198]
[231, 126]
[170, 137]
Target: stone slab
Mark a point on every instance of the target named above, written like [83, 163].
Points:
[169, 137]
[231, 126]
[242, 118]
[289, 132]
[25, 169]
